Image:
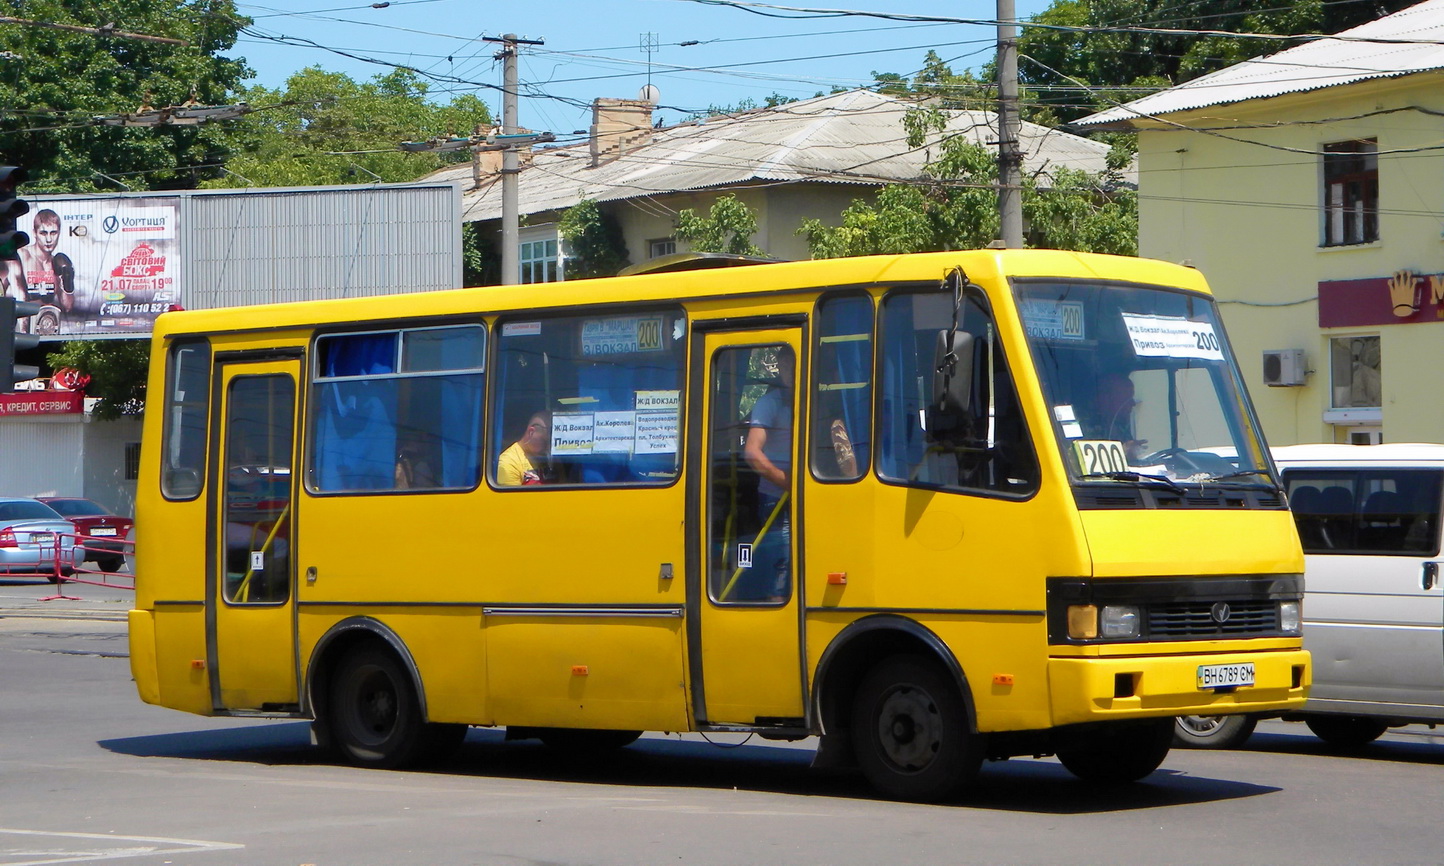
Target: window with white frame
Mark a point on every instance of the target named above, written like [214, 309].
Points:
[540, 256]
[1351, 192]
[658, 247]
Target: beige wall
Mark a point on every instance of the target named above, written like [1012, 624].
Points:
[1249, 217]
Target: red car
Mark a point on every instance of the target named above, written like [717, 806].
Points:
[101, 532]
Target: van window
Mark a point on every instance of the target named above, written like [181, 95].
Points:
[841, 444]
[187, 400]
[1388, 512]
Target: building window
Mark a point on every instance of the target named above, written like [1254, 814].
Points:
[661, 247]
[132, 461]
[1351, 192]
[540, 261]
[1356, 372]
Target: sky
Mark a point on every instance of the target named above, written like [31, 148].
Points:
[702, 55]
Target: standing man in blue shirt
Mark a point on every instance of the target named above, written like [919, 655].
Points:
[768, 450]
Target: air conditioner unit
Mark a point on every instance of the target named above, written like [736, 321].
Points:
[1284, 368]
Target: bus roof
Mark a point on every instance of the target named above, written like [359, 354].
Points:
[980, 265]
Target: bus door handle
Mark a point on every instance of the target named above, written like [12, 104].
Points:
[311, 576]
[1431, 575]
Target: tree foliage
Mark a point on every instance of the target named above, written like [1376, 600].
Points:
[1129, 64]
[117, 371]
[728, 228]
[325, 128]
[956, 206]
[595, 246]
[57, 82]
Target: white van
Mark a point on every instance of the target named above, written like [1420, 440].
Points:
[1369, 520]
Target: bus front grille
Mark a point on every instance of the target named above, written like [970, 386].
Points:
[1201, 619]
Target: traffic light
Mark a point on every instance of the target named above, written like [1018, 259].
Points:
[11, 313]
[11, 238]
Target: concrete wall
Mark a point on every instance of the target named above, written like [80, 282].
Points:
[1248, 213]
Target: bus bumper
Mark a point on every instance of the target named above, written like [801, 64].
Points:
[1105, 689]
[142, 656]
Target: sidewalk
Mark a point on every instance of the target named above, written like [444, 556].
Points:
[24, 597]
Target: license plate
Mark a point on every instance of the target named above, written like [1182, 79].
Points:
[103, 530]
[1225, 676]
[42, 537]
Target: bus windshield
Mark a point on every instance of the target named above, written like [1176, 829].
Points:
[1141, 385]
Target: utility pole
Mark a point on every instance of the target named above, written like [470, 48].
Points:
[1010, 154]
[510, 168]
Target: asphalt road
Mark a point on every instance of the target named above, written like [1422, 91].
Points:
[89, 774]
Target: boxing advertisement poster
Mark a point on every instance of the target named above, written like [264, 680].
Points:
[100, 267]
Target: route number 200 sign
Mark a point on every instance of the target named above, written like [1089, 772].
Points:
[1100, 456]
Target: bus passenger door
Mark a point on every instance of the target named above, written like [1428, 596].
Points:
[250, 597]
[744, 602]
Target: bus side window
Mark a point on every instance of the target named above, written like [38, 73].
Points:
[841, 437]
[995, 452]
[607, 390]
[398, 410]
[187, 405]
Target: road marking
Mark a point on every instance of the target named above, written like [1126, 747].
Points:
[146, 846]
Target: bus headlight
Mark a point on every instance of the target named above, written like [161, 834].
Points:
[1110, 622]
[1118, 621]
[1290, 617]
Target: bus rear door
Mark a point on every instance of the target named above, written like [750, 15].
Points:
[743, 611]
[250, 598]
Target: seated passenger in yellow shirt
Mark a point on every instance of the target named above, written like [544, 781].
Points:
[519, 464]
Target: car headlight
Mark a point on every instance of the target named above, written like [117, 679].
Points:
[1290, 617]
[1119, 621]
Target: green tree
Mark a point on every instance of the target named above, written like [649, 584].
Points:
[325, 128]
[57, 81]
[728, 228]
[595, 246]
[117, 371]
[956, 207]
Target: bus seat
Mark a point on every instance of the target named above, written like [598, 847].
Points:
[1382, 523]
[1304, 502]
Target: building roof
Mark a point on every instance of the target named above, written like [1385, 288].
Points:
[1407, 42]
[854, 137]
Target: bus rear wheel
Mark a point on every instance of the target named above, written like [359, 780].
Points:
[583, 741]
[1121, 752]
[910, 731]
[375, 715]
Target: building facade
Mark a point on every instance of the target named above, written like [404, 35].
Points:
[1308, 187]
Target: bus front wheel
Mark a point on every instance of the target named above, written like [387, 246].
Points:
[910, 731]
[1121, 752]
[376, 717]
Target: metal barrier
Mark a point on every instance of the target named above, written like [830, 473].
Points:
[104, 550]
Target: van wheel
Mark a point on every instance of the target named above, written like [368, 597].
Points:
[1120, 752]
[1212, 732]
[1346, 732]
[910, 731]
[375, 716]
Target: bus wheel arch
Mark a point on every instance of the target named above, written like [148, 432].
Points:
[366, 696]
[898, 647]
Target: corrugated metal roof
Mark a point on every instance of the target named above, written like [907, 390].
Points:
[1409, 41]
[853, 137]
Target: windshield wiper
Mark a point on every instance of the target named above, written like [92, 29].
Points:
[1242, 472]
[1139, 476]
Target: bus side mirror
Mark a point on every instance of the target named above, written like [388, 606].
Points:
[949, 410]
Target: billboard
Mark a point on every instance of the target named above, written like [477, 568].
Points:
[101, 267]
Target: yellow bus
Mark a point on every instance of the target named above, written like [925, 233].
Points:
[935, 509]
